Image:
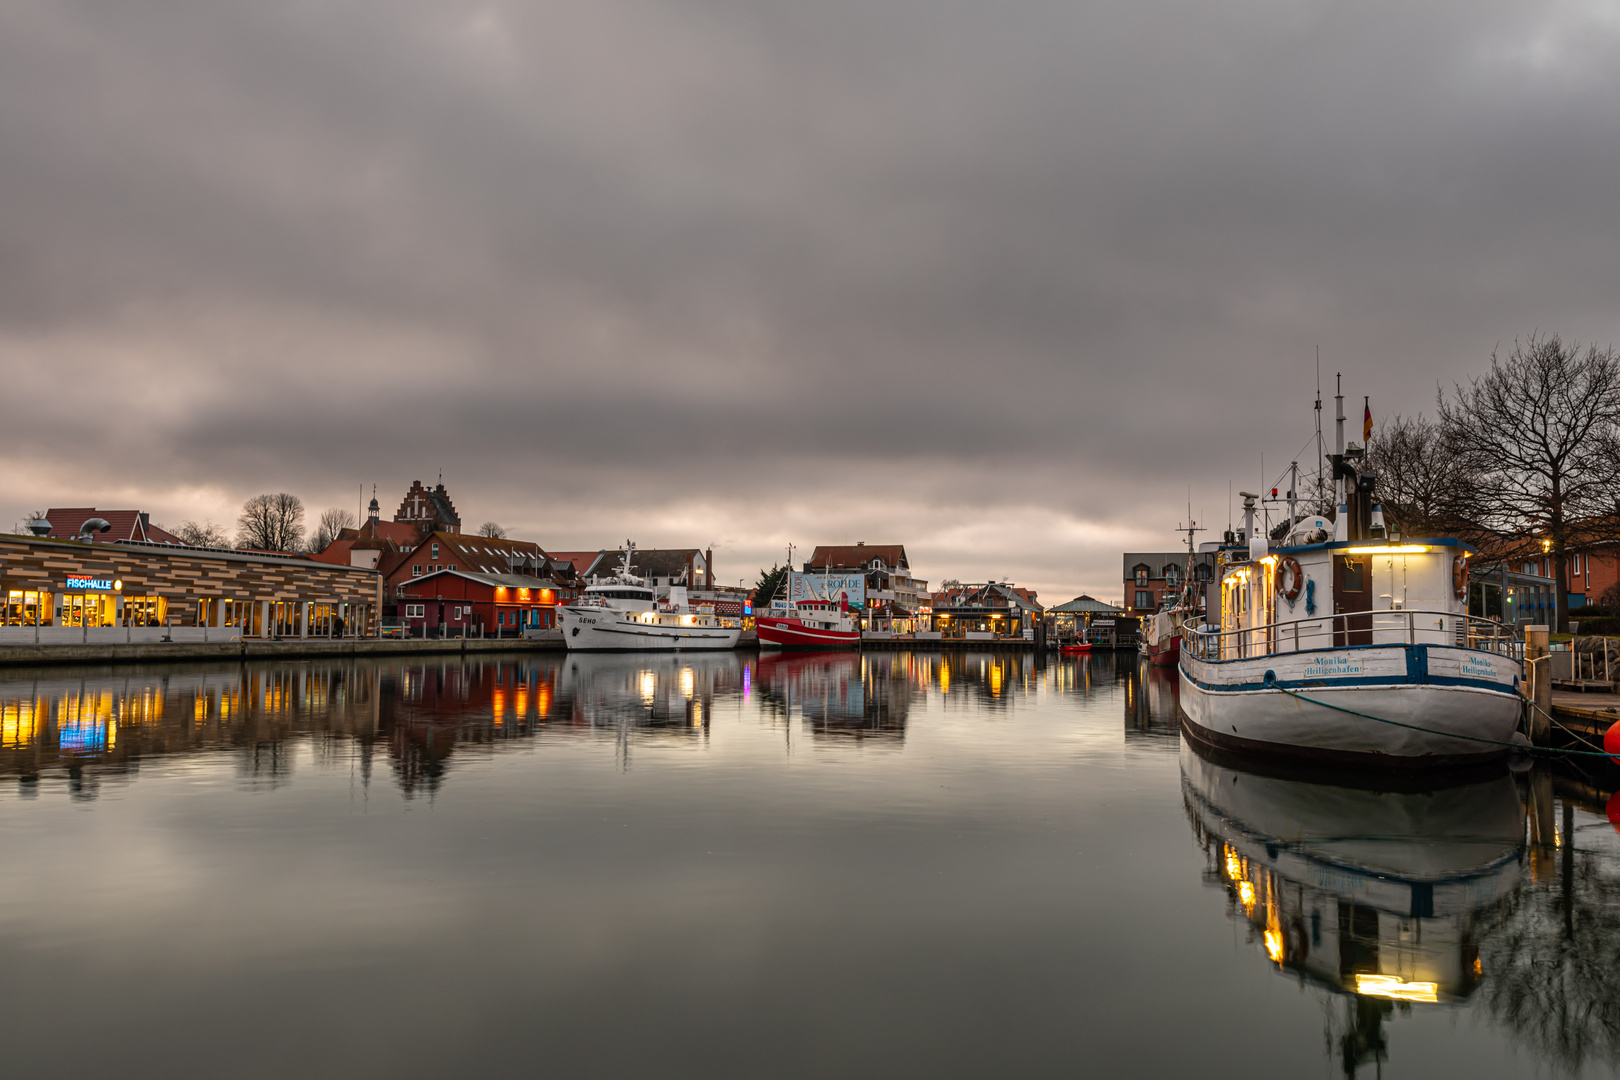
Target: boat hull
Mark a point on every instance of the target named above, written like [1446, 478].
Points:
[1318, 705]
[1167, 656]
[597, 630]
[781, 633]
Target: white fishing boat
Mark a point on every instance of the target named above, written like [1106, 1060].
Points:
[1350, 644]
[626, 613]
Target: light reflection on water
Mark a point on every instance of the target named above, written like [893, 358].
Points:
[870, 864]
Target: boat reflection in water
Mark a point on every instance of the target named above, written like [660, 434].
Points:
[1378, 897]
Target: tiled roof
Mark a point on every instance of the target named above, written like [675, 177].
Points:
[849, 557]
[582, 560]
[510, 581]
[126, 525]
[1086, 605]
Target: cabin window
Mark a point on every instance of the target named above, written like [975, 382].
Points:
[1201, 572]
[1354, 576]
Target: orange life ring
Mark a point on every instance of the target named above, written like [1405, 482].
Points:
[1459, 576]
[1289, 571]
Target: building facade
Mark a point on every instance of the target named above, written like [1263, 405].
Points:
[895, 599]
[456, 603]
[428, 509]
[69, 590]
[1152, 576]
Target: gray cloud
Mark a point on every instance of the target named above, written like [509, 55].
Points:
[1001, 282]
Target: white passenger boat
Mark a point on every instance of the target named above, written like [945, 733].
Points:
[1357, 647]
[625, 613]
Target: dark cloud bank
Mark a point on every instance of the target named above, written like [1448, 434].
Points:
[999, 281]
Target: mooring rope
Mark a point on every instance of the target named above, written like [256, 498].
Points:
[1450, 734]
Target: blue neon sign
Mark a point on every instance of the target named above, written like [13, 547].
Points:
[104, 584]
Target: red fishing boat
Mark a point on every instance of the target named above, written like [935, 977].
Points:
[814, 625]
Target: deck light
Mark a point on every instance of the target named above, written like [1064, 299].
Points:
[1388, 549]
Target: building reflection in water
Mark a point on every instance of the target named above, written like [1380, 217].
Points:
[1379, 898]
[88, 729]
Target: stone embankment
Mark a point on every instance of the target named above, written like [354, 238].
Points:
[253, 649]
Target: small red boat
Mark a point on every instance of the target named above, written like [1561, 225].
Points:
[808, 626]
[1075, 647]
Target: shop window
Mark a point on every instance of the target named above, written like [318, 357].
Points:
[88, 609]
[145, 610]
[24, 608]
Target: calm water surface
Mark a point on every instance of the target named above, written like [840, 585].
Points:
[897, 864]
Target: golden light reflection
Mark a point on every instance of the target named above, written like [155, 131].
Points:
[1274, 938]
[1246, 894]
[19, 724]
[1394, 989]
[995, 680]
[649, 686]
[687, 682]
[1479, 969]
[944, 678]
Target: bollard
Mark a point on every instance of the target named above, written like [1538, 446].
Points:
[1538, 682]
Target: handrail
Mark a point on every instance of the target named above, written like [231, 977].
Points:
[1391, 626]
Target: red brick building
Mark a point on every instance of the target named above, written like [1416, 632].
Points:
[455, 603]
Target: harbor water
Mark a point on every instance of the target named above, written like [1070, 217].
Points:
[723, 865]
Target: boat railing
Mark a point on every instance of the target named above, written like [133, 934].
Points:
[1397, 626]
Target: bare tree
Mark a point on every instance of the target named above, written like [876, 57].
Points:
[1540, 431]
[206, 534]
[1424, 485]
[492, 530]
[271, 523]
[23, 523]
[332, 522]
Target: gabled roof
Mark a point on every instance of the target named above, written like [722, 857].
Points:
[400, 533]
[1086, 605]
[992, 595]
[126, 525]
[510, 581]
[857, 556]
[647, 562]
[584, 561]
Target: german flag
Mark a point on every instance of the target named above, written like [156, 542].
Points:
[1366, 422]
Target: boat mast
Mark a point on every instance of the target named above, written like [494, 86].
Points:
[1338, 437]
[1319, 451]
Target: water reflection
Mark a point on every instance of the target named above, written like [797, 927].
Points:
[1379, 898]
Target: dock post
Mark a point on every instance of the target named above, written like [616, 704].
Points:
[1538, 678]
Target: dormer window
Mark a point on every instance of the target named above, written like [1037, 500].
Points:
[1140, 571]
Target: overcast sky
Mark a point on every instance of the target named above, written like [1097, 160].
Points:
[998, 281]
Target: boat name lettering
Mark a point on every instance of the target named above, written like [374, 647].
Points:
[1478, 665]
[1331, 667]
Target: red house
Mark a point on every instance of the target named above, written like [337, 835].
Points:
[456, 603]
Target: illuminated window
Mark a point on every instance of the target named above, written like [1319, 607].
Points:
[1141, 573]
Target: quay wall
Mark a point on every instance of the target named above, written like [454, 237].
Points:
[170, 652]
